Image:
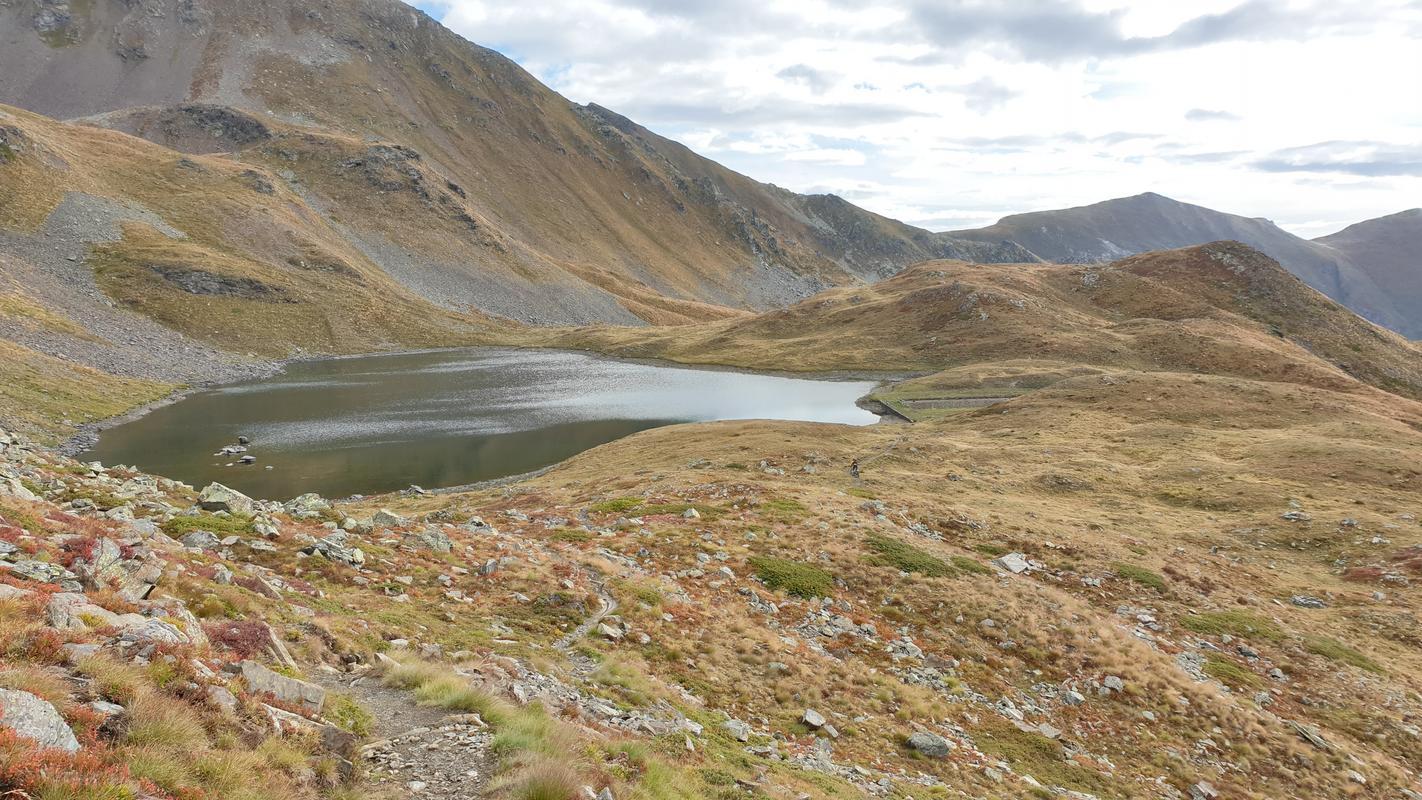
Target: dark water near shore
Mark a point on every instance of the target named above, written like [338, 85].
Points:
[379, 423]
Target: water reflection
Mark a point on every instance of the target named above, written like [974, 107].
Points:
[377, 423]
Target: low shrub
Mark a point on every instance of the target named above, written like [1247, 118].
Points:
[905, 557]
[1140, 575]
[1235, 623]
[793, 577]
[1338, 651]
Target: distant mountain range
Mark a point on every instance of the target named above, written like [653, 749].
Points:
[1374, 267]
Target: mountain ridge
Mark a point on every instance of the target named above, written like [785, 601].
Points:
[1119, 227]
[569, 189]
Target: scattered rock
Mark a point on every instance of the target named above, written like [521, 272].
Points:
[930, 744]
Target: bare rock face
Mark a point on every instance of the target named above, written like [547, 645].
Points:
[35, 718]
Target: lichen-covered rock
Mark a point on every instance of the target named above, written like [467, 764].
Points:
[36, 719]
[307, 506]
[385, 518]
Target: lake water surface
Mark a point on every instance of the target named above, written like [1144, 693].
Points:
[379, 423]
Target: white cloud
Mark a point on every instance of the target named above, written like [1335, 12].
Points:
[950, 113]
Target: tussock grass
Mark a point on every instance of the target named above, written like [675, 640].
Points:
[547, 780]
[213, 523]
[969, 565]
[453, 693]
[1230, 673]
[349, 715]
[615, 505]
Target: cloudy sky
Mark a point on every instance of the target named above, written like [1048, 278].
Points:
[953, 113]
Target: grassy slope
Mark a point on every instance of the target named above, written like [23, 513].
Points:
[49, 398]
[1220, 309]
[301, 286]
[1162, 480]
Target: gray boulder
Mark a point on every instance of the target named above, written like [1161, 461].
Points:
[216, 497]
[930, 744]
[201, 540]
[813, 718]
[36, 719]
[11, 487]
[385, 518]
[1016, 563]
[69, 611]
[738, 730]
[307, 506]
[261, 680]
[429, 538]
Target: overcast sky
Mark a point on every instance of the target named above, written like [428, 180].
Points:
[953, 113]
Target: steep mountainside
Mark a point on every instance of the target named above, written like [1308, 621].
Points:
[1389, 251]
[1126, 226]
[446, 165]
[1221, 308]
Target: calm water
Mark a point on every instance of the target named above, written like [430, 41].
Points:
[380, 423]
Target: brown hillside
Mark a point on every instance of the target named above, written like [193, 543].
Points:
[505, 196]
[1221, 308]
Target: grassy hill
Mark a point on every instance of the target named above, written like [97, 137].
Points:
[1221, 309]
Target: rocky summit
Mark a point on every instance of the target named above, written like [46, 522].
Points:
[1140, 515]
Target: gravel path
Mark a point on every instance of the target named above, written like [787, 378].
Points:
[417, 751]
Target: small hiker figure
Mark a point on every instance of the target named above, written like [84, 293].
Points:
[854, 469]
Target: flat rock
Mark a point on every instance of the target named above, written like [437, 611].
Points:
[261, 680]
